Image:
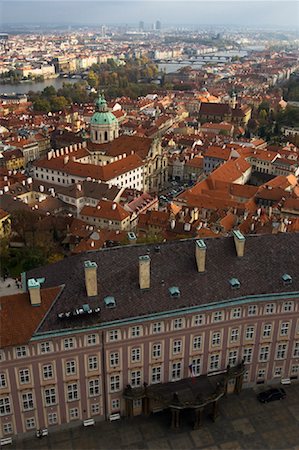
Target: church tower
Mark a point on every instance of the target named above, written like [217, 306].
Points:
[103, 124]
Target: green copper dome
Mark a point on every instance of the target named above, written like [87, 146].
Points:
[102, 115]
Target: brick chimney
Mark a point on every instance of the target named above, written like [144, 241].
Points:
[200, 254]
[34, 292]
[239, 243]
[91, 284]
[144, 272]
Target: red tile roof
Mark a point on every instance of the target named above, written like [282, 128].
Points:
[19, 319]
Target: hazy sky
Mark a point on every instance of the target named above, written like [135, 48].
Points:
[240, 12]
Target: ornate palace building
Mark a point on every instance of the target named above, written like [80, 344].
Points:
[137, 329]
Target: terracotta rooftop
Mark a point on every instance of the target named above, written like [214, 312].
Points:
[19, 320]
[105, 209]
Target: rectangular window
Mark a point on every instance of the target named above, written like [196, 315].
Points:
[157, 327]
[176, 371]
[234, 335]
[156, 352]
[281, 351]
[72, 392]
[27, 401]
[177, 347]
[264, 353]
[196, 366]
[270, 308]
[214, 362]
[135, 331]
[52, 418]
[5, 406]
[68, 343]
[2, 380]
[288, 306]
[198, 320]
[114, 383]
[249, 333]
[92, 363]
[216, 339]
[7, 428]
[217, 316]
[94, 387]
[30, 423]
[156, 374]
[232, 357]
[236, 313]
[91, 339]
[113, 335]
[247, 354]
[136, 378]
[115, 404]
[50, 396]
[267, 330]
[177, 324]
[114, 359]
[45, 347]
[197, 342]
[70, 367]
[295, 370]
[284, 329]
[277, 372]
[48, 371]
[261, 374]
[74, 413]
[136, 355]
[24, 376]
[95, 409]
[296, 350]
[252, 310]
[21, 352]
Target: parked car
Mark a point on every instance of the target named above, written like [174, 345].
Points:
[271, 394]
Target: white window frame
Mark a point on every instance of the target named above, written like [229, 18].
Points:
[216, 339]
[27, 401]
[114, 383]
[157, 350]
[5, 406]
[21, 351]
[135, 354]
[72, 392]
[50, 396]
[114, 359]
[197, 342]
[92, 339]
[218, 316]
[252, 310]
[247, 354]
[156, 374]
[70, 367]
[176, 370]
[177, 346]
[214, 362]
[264, 353]
[68, 343]
[94, 387]
[93, 363]
[45, 347]
[136, 376]
[48, 371]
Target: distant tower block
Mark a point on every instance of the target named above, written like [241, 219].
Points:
[103, 124]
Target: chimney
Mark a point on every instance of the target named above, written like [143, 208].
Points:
[200, 254]
[34, 292]
[239, 243]
[91, 284]
[144, 272]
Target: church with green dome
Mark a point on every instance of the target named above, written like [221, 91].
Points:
[103, 124]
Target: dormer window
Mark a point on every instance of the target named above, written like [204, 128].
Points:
[287, 279]
[174, 292]
[110, 302]
[234, 283]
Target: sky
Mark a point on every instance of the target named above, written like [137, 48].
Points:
[273, 13]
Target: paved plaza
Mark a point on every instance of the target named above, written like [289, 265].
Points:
[244, 423]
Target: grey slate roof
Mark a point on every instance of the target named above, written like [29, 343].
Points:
[260, 271]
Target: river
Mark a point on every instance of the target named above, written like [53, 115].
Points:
[23, 88]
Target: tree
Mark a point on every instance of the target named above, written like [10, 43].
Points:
[58, 103]
[41, 105]
[92, 79]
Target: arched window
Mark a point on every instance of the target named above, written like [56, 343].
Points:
[106, 135]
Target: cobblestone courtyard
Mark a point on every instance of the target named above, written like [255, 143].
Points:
[244, 423]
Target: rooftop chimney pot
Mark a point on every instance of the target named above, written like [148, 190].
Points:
[90, 269]
[144, 272]
[200, 254]
[239, 243]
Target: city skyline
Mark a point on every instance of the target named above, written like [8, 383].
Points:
[218, 13]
